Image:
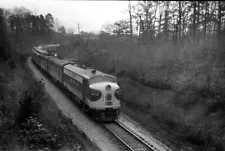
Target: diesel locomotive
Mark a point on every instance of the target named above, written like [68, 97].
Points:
[97, 93]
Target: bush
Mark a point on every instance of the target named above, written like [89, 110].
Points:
[30, 104]
[200, 137]
[34, 135]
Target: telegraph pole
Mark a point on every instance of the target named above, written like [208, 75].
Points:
[78, 26]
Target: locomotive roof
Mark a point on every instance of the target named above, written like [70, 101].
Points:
[50, 45]
[58, 61]
[37, 49]
[86, 73]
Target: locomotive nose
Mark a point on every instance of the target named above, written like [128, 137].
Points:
[108, 95]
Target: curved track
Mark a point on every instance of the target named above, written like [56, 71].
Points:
[128, 138]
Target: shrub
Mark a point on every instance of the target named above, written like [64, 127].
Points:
[33, 134]
[203, 139]
[30, 104]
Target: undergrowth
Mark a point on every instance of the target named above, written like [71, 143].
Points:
[34, 135]
[194, 74]
[23, 123]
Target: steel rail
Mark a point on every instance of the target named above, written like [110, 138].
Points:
[136, 136]
[124, 128]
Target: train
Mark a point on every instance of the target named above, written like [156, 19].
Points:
[97, 93]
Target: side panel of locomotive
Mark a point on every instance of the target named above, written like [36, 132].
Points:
[74, 82]
[55, 68]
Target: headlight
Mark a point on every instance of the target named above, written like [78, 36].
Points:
[95, 94]
[108, 88]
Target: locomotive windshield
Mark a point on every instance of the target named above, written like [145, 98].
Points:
[102, 79]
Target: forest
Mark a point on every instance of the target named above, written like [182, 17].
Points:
[182, 40]
[172, 21]
[25, 29]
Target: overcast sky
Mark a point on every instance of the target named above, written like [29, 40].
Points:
[91, 15]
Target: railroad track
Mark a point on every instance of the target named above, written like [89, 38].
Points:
[128, 138]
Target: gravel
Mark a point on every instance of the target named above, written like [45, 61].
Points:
[140, 131]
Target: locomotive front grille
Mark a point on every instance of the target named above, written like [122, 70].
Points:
[110, 112]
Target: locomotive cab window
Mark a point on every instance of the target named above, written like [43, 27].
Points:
[102, 79]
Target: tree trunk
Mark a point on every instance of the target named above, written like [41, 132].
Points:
[197, 26]
[194, 20]
[131, 29]
[166, 21]
[206, 15]
[176, 33]
[160, 20]
[219, 18]
[219, 23]
[139, 34]
[180, 14]
[184, 27]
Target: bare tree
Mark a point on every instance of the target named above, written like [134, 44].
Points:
[131, 28]
[194, 20]
[166, 23]
[57, 24]
[62, 30]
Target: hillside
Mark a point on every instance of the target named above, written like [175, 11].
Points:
[29, 118]
[189, 110]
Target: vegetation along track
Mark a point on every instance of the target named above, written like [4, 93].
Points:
[128, 138]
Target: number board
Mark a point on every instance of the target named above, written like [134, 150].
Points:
[108, 103]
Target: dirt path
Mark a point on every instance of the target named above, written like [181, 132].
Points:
[93, 131]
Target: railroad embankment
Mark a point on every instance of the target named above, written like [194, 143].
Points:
[179, 101]
[29, 118]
